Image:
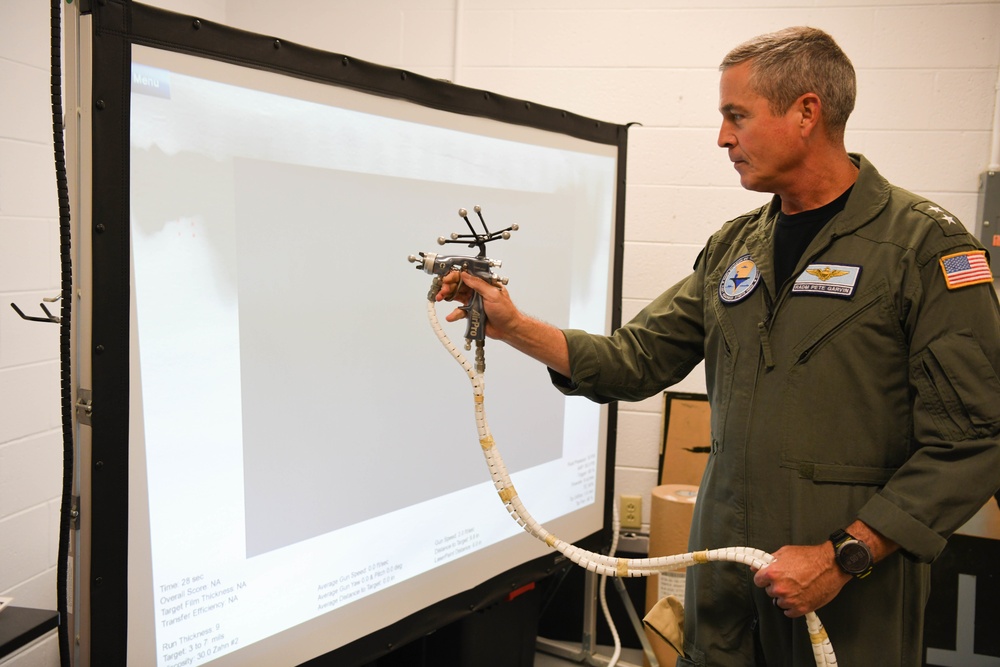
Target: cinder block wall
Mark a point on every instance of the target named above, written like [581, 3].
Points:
[30, 438]
[927, 75]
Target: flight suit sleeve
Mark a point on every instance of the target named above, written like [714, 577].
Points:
[954, 468]
[656, 349]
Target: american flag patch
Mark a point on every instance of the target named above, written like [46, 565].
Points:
[966, 268]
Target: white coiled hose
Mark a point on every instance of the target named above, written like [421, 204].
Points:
[595, 562]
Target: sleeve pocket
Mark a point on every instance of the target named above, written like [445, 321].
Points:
[958, 384]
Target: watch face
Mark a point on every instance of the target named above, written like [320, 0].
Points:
[854, 557]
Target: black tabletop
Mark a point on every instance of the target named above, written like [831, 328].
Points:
[21, 625]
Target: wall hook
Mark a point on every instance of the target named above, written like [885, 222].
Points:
[49, 317]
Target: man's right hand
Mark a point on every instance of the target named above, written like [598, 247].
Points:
[505, 322]
[501, 313]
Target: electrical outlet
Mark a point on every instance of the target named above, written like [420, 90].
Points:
[631, 512]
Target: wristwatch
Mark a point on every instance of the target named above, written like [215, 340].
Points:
[852, 555]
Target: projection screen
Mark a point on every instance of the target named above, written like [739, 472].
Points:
[298, 462]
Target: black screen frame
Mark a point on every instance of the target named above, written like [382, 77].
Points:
[116, 26]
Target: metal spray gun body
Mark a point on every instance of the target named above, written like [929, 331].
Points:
[480, 266]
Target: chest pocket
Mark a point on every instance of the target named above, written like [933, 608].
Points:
[845, 402]
[837, 322]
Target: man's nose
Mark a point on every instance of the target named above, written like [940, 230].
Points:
[726, 139]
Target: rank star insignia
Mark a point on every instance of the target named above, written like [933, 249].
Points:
[826, 273]
[948, 222]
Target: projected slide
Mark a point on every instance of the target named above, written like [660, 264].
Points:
[308, 450]
[320, 356]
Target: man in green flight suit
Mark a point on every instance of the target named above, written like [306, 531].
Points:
[851, 338]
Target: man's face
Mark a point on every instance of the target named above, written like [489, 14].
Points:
[765, 149]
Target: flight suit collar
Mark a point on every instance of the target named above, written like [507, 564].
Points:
[869, 196]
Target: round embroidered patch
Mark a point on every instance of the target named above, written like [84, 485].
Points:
[739, 280]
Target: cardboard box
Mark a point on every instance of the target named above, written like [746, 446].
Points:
[686, 439]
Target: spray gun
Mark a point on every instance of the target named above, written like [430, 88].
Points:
[480, 266]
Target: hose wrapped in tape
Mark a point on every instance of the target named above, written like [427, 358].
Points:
[594, 562]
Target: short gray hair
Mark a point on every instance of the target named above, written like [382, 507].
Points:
[786, 64]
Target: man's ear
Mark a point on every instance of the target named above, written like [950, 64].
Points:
[810, 109]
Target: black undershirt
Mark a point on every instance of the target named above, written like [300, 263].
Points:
[793, 234]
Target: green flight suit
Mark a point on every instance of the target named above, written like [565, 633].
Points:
[862, 388]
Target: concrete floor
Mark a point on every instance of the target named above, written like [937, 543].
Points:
[629, 657]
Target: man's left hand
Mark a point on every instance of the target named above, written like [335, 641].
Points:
[802, 579]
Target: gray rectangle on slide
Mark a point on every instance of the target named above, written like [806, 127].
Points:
[351, 407]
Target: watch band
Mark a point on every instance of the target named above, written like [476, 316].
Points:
[840, 536]
[852, 555]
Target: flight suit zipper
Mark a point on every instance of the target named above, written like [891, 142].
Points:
[765, 345]
[765, 362]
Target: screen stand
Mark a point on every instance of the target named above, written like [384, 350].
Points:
[586, 652]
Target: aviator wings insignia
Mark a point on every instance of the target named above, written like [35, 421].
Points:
[826, 273]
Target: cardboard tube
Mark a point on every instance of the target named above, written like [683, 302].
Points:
[672, 509]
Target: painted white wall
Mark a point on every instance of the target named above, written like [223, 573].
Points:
[927, 73]
[30, 438]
